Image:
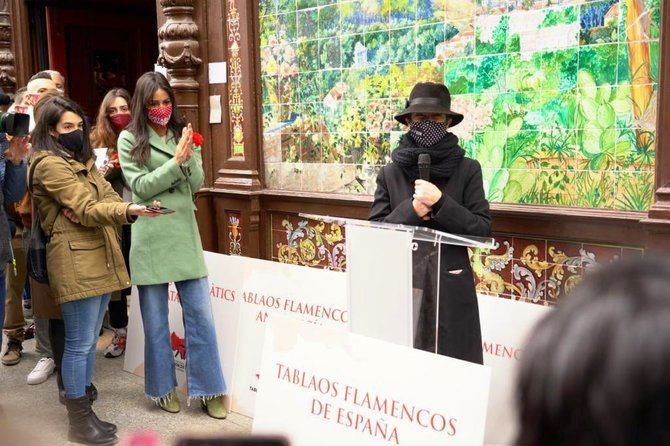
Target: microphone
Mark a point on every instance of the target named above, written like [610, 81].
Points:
[424, 172]
[424, 166]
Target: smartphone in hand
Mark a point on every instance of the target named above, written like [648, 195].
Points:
[160, 210]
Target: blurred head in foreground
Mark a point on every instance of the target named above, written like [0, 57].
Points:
[596, 371]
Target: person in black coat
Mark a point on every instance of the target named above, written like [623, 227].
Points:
[453, 201]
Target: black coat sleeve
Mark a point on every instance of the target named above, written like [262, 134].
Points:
[470, 218]
[113, 174]
[381, 207]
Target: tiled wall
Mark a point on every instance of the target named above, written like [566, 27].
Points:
[537, 270]
[532, 270]
[234, 233]
[559, 95]
[304, 242]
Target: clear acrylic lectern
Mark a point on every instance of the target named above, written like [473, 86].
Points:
[393, 274]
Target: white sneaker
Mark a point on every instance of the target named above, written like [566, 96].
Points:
[42, 371]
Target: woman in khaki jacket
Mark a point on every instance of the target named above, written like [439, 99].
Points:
[79, 213]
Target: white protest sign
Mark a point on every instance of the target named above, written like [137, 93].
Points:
[312, 295]
[506, 325]
[329, 387]
[244, 293]
[226, 275]
[134, 356]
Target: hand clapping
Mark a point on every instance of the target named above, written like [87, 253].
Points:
[185, 146]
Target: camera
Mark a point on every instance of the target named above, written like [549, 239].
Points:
[15, 124]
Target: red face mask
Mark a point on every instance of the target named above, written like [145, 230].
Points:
[160, 115]
[120, 121]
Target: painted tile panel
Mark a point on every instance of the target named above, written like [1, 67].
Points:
[532, 270]
[565, 90]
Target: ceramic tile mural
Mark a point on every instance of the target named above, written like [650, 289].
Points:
[537, 270]
[306, 242]
[559, 95]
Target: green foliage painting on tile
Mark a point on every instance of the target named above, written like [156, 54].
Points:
[559, 97]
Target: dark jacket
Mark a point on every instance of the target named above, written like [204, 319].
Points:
[463, 209]
[12, 188]
[115, 177]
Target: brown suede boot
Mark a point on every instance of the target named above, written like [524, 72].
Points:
[13, 353]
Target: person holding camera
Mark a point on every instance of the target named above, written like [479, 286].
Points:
[12, 188]
[79, 212]
[160, 158]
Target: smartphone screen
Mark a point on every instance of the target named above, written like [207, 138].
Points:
[160, 210]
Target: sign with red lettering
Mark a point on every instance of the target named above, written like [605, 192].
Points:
[226, 278]
[314, 296]
[245, 293]
[330, 387]
[505, 327]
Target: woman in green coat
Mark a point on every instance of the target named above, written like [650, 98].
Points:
[160, 162]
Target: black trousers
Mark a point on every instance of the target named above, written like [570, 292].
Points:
[118, 312]
[118, 309]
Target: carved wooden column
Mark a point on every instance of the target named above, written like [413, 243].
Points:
[7, 62]
[179, 52]
[658, 218]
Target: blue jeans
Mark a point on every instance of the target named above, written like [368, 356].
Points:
[203, 367]
[83, 319]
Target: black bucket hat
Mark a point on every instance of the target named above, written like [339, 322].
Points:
[429, 97]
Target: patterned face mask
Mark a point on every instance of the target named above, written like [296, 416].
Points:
[427, 133]
[160, 115]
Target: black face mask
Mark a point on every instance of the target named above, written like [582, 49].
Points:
[73, 141]
[427, 133]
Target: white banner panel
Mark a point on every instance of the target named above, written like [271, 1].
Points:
[226, 278]
[327, 387]
[245, 292]
[379, 275]
[506, 325]
[312, 295]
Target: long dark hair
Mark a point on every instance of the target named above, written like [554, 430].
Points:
[49, 110]
[147, 85]
[596, 371]
[103, 134]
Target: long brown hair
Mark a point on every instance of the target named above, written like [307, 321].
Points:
[148, 84]
[103, 134]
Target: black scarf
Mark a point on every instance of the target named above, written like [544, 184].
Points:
[445, 157]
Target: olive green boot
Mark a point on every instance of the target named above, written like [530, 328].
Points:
[214, 407]
[170, 403]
